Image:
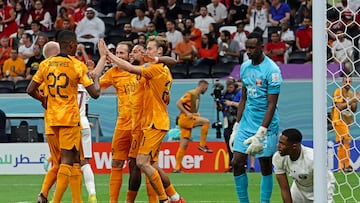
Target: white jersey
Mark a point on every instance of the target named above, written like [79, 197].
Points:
[302, 172]
[83, 99]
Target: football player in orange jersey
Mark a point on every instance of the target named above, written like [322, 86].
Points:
[156, 120]
[61, 75]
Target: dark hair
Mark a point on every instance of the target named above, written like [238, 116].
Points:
[65, 37]
[226, 33]
[293, 135]
[256, 35]
[186, 32]
[211, 41]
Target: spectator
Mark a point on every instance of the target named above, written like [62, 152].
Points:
[8, 24]
[14, 67]
[305, 10]
[229, 50]
[217, 11]
[275, 49]
[214, 31]
[208, 52]
[195, 32]
[237, 13]
[91, 28]
[70, 5]
[5, 50]
[16, 37]
[151, 30]
[172, 10]
[304, 35]
[240, 35]
[125, 9]
[26, 50]
[40, 14]
[35, 30]
[42, 40]
[160, 19]
[140, 22]
[258, 16]
[279, 13]
[342, 50]
[203, 21]
[80, 11]
[287, 36]
[106, 8]
[172, 35]
[186, 50]
[20, 13]
[33, 63]
[64, 15]
[353, 31]
[81, 54]
[141, 40]
[129, 35]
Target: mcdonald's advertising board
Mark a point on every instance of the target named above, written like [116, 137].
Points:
[193, 161]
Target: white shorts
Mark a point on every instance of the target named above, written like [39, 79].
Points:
[301, 196]
[86, 142]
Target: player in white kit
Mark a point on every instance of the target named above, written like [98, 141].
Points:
[297, 161]
[83, 98]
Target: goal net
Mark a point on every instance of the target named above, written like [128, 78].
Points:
[343, 30]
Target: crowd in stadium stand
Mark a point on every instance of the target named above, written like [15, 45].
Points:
[202, 33]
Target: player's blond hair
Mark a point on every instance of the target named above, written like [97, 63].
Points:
[160, 42]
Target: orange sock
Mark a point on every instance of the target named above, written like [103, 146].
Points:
[49, 180]
[203, 134]
[76, 183]
[170, 190]
[63, 179]
[131, 195]
[156, 183]
[347, 155]
[179, 157]
[341, 156]
[115, 184]
[152, 196]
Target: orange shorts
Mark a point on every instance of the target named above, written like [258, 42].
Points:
[120, 145]
[69, 136]
[151, 141]
[186, 125]
[54, 147]
[135, 143]
[341, 132]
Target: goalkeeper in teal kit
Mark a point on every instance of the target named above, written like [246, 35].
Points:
[256, 132]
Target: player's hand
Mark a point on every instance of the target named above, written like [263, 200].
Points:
[232, 136]
[256, 142]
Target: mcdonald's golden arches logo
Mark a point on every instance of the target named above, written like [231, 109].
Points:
[225, 156]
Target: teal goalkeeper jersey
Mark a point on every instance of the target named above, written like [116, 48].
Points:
[259, 81]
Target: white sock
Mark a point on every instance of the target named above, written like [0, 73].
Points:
[89, 179]
[175, 197]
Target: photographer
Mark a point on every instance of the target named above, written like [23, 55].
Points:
[229, 103]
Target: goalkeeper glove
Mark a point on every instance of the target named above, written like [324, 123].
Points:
[256, 142]
[232, 136]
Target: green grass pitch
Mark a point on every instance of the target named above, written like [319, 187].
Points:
[195, 187]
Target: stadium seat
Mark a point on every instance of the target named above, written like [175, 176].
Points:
[222, 70]
[89, 47]
[186, 9]
[230, 28]
[3, 136]
[6, 86]
[21, 85]
[24, 133]
[114, 36]
[180, 71]
[297, 57]
[108, 20]
[121, 22]
[199, 71]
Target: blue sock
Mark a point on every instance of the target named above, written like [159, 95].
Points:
[241, 187]
[266, 187]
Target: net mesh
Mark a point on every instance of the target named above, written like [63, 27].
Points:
[343, 31]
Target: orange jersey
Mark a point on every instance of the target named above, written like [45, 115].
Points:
[61, 75]
[157, 95]
[190, 101]
[137, 102]
[345, 116]
[124, 83]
